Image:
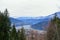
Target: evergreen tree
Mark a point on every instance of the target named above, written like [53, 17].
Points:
[56, 21]
[18, 35]
[1, 26]
[4, 25]
[6, 33]
[22, 34]
[57, 25]
[13, 33]
[7, 25]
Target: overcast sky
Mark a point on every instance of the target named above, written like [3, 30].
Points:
[30, 8]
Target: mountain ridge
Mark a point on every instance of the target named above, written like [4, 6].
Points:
[36, 23]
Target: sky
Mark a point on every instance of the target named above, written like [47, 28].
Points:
[30, 8]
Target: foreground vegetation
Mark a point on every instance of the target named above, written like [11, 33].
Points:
[8, 31]
[53, 30]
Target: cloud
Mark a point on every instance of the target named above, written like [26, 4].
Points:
[33, 8]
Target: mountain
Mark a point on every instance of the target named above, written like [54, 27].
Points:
[16, 21]
[44, 23]
[28, 20]
[41, 25]
[36, 22]
[24, 21]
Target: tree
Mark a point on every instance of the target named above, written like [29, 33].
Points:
[53, 32]
[57, 26]
[4, 25]
[1, 26]
[13, 33]
[18, 35]
[7, 25]
[22, 34]
[6, 31]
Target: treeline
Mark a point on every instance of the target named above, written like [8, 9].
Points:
[8, 31]
[53, 30]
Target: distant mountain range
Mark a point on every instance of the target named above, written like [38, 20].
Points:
[36, 22]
